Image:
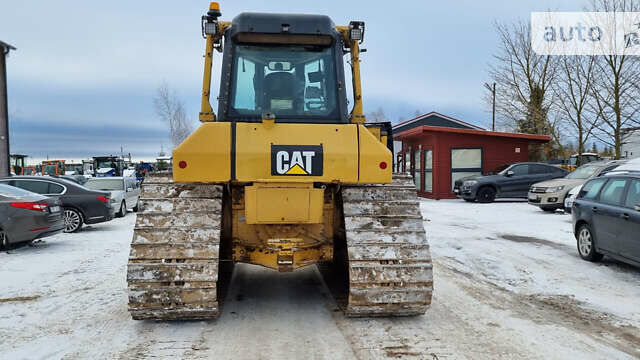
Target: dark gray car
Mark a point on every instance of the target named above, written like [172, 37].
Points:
[606, 218]
[26, 216]
[81, 205]
[512, 182]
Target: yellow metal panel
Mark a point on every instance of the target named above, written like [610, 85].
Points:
[339, 151]
[283, 204]
[207, 154]
[372, 153]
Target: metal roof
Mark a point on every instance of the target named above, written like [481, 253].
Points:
[464, 124]
[417, 131]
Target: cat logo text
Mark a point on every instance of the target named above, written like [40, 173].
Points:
[296, 160]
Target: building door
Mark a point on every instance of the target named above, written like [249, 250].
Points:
[464, 163]
[428, 171]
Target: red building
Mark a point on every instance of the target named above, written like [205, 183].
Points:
[438, 150]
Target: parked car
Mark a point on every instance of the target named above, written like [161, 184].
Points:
[606, 218]
[80, 204]
[125, 192]
[550, 195]
[512, 182]
[26, 216]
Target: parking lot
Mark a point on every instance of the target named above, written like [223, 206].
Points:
[508, 284]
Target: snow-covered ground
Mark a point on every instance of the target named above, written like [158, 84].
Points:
[508, 284]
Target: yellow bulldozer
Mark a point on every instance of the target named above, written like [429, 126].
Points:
[284, 176]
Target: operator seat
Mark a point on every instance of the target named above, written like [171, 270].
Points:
[280, 92]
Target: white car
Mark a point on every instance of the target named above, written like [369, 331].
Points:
[125, 192]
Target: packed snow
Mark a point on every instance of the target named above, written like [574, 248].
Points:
[508, 284]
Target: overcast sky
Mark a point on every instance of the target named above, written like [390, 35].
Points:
[82, 80]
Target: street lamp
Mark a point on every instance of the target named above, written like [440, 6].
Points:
[492, 89]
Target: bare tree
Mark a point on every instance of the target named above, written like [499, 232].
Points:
[170, 109]
[572, 90]
[616, 86]
[377, 116]
[524, 80]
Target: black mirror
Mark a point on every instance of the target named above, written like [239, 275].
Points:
[510, 173]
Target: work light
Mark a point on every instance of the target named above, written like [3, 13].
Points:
[210, 28]
[356, 30]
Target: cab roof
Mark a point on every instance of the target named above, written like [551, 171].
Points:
[275, 23]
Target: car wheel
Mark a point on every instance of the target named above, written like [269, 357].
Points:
[586, 244]
[486, 195]
[135, 208]
[4, 240]
[72, 220]
[123, 210]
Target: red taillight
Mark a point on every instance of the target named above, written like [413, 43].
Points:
[383, 165]
[40, 229]
[103, 199]
[42, 207]
[182, 164]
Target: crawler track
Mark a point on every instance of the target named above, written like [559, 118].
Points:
[389, 262]
[174, 259]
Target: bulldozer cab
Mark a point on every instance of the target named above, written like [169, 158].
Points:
[277, 68]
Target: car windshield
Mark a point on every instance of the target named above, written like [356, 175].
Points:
[499, 169]
[14, 192]
[105, 184]
[504, 171]
[290, 82]
[583, 172]
[105, 164]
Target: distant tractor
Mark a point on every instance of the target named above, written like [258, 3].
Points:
[17, 163]
[29, 170]
[104, 166]
[53, 167]
[586, 158]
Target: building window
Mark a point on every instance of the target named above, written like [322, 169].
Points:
[407, 161]
[416, 169]
[465, 162]
[428, 171]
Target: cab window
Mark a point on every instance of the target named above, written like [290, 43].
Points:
[290, 82]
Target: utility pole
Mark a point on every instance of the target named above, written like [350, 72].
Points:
[492, 89]
[5, 166]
